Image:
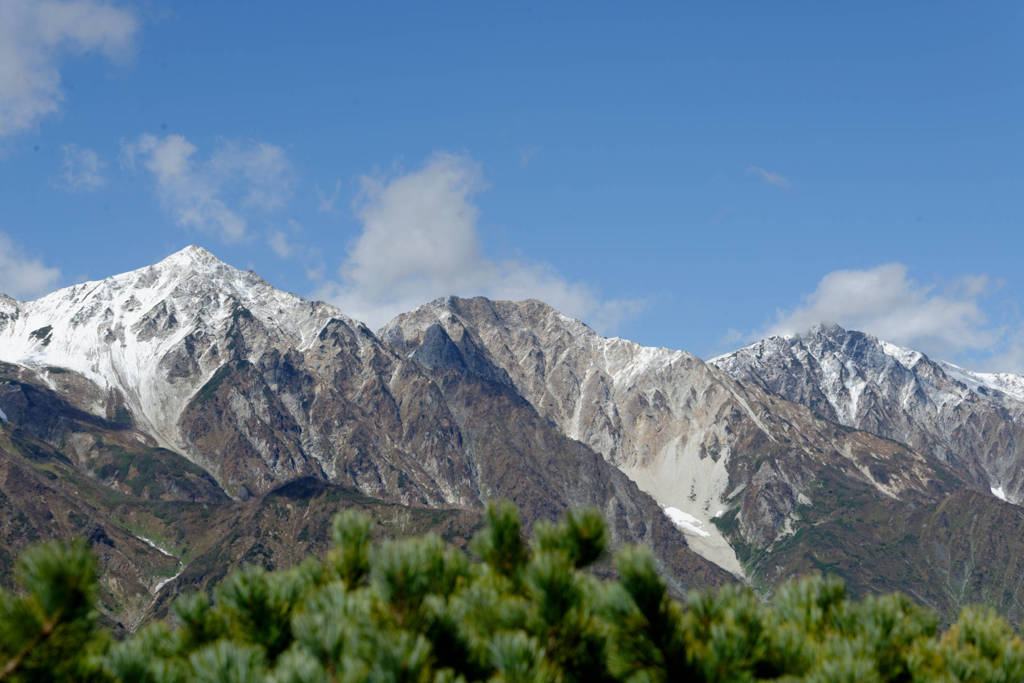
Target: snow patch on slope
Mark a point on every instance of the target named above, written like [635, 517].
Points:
[686, 522]
[676, 474]
[155, 590]
[161, 584]
[153, 545]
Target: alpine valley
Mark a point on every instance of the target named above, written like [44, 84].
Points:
[188, 418]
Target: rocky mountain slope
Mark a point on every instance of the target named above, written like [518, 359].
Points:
[761, 485]
[187, 417]
[681, 429]
[192, 381]
[972, 421]
[254, 385]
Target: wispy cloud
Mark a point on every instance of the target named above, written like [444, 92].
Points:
[287, 244]
[770, 177]
[527, 154]
[1010, 358]
[420, 240]
[36, 35]
[886, 302]
[279, 243]
[214, 195]
[21, 276]
[325, 202]
[81, 170]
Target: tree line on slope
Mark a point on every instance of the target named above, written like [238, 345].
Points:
[420, 610]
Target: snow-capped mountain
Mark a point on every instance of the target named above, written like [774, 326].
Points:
[972, 421]
[157, 343]
[153, 336]
[191, 362]
[194, 406]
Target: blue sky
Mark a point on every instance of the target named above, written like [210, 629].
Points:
[689, 175]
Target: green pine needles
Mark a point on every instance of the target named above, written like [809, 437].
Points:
[420, 610]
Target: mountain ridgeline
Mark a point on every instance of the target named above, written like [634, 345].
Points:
[973, 422]
[188, 418]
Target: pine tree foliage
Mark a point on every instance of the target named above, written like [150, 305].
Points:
[421, 610]
[49, 628]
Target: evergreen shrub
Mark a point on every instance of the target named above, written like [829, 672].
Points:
[420, 610]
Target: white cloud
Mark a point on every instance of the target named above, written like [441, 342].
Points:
[261, 169]
[278, 241]
[283, 242]
[214, 195]
[1009, 359]
[731, 337]
[22, 277]
[886, 303]
[34, 37]
[770, 177]
[81, 170]
[325, 202]
[420, 241]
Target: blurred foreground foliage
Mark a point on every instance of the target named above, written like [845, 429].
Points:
[419, 610]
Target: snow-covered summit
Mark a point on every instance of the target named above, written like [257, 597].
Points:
[844, 360]
[192, 254]
[138, 332]
[972, 420]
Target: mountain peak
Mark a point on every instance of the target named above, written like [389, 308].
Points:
[192, 256]
[827, 329]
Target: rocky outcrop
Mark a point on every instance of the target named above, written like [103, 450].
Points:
[973, 422]
[521, 456]
[737, 459]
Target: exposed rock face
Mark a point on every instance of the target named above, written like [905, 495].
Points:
[194, 404]
[521, 456]
[257, 388]
[777, 487]
[684, 431]
[255, 385]
[972, 421]
[110, 451]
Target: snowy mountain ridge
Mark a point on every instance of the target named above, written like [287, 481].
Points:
[259, 387]
[265, 398]
[123, 332]
[1005, 384]
[973, 421]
